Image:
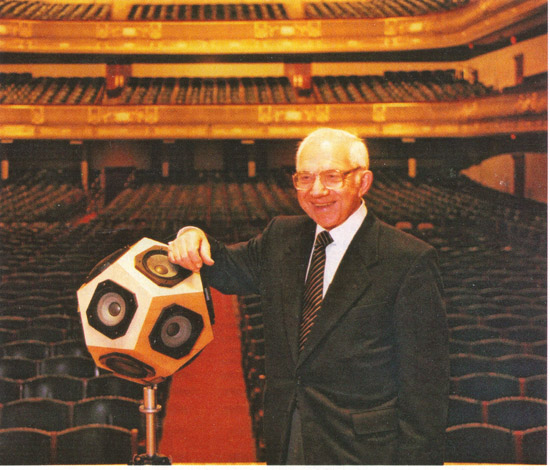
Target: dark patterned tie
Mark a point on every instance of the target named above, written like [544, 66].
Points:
[313, 295]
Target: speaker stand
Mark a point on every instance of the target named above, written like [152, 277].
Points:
[150, 408]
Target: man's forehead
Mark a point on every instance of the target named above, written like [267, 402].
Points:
[323, 153]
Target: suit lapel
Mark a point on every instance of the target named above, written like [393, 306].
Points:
[350, 281]
[293, 272]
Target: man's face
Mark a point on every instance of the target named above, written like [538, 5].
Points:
[331, 207]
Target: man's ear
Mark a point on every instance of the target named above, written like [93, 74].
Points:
[366, 181]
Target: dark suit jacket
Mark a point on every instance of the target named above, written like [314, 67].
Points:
[372, 382]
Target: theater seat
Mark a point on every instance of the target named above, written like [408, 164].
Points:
[517, 413]
[74, 366]
[533, 446]
[60, 387]
[42, 333]
[40, 413]
[487, 386]
[465, 364]
[12, 322]
[71, 347]
[463, 410]
[10, 390]
[536, 387]
[111, 385]
[95, 444]
[115, 411]
[27, 348]
[479, 443]
[17, 368]
[521, 365]
[25, 446]
[495, 347]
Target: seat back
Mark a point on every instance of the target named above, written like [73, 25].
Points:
[75, 366]
[24, 446]
[487, 386]
[60, 387]
[533, 446]
[479, 443]
[517, 413]
[17, 368]
[10, 390]
[27, 348]
[463, 410]
[40, 413]
[95, 444]
[115, 411]
[111, 385]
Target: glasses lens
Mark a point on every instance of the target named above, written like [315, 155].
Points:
[303, 180]
[332, 179]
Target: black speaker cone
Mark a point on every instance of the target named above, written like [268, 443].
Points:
[176, 331]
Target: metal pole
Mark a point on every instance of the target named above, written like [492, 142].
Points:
[150, 409]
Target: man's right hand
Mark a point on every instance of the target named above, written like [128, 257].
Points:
[190, 249]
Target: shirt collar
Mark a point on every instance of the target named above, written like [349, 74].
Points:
[344, 233]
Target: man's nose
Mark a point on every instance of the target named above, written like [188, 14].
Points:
[318, 187]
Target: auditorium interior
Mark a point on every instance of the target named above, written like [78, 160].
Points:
[127, 119]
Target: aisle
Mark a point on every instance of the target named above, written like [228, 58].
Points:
[207, 418]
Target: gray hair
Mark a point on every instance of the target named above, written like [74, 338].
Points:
[357, 151]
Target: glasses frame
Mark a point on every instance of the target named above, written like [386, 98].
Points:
[320, 175]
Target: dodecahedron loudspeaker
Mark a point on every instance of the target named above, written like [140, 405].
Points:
[144, 318]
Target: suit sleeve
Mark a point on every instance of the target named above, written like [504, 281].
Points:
[423, 362]
[237, 267]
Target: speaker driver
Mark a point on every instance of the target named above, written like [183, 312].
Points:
[158, 264]
[176, 331]
[127, 366]
[154, 264]
[111, 309]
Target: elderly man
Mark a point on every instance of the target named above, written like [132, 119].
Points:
[356, 341]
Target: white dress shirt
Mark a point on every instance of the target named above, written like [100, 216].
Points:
[341, 236]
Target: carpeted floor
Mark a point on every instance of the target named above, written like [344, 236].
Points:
[207, 415]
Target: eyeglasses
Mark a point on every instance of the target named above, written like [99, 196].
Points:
[330, 179]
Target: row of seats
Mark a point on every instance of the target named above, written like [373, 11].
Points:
[22, 368]
[69, 388]
[40, 200]
[514, 413]
[421, 86]
[23, 88]
[49, 414]
[92, 444]
[498, 347]
[378, 8]
[487, 386]
[208, 12]
[59, 11]
[489, 444]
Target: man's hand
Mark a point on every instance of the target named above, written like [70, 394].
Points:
[190, 249]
